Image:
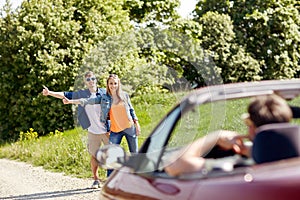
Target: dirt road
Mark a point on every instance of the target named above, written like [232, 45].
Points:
[20, 181]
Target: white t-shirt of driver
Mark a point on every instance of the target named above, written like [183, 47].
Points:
[93, 112]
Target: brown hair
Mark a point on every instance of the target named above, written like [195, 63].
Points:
[269, 109]
[120, 93]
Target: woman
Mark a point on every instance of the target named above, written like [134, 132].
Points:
[122, 116]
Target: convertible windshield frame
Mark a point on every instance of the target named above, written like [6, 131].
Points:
[288, 89]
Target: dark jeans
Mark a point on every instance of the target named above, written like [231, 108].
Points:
[132, 141]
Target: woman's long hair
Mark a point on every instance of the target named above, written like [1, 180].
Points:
[119, 92]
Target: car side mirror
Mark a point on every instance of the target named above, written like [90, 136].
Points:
[108, 156]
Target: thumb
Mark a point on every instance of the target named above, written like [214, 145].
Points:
[236, 149]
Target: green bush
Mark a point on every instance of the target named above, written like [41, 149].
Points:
[47, 47]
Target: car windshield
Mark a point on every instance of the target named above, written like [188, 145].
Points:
[202, 112]
[186, 123]
[204, 119]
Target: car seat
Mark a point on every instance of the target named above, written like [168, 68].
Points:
[276, 142]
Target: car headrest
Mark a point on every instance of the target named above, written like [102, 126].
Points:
[276, 142]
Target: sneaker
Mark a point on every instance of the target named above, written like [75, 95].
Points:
[96, 184]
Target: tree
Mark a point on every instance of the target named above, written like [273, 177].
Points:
[121, 55]
[45, 43]
[218, 38]
[268, 30]
[152, 11]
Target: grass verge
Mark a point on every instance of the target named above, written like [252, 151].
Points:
[66, 151]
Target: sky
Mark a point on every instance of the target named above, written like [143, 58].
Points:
[186, 6]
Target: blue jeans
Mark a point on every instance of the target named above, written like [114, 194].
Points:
[132, 141]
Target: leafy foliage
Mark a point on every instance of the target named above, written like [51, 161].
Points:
[152, 11]
[120, 54]
[235, 64]
[267, 31]
[45, 44]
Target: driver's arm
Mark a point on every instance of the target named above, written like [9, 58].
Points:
[190, 158]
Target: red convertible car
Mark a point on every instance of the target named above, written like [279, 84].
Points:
[226, 177]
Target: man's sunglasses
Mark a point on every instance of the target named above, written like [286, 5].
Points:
[90, 79]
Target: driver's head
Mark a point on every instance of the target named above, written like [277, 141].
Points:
[268, 109]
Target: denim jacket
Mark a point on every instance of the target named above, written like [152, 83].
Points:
[81, 115]
[106, 102]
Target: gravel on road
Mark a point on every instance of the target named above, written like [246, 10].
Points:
[20, 181]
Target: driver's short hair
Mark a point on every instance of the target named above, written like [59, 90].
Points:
[268, 109]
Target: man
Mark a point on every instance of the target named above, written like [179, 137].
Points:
[89, 118]
[262, 110]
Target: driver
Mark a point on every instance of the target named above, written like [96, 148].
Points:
[262, 110]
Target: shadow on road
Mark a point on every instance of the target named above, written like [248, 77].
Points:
[55, 194]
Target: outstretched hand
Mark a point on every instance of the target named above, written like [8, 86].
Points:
[45, 91]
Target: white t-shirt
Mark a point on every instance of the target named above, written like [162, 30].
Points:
[93, 112]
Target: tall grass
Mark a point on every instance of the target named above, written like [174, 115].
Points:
[66, 151]
[61, 151]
